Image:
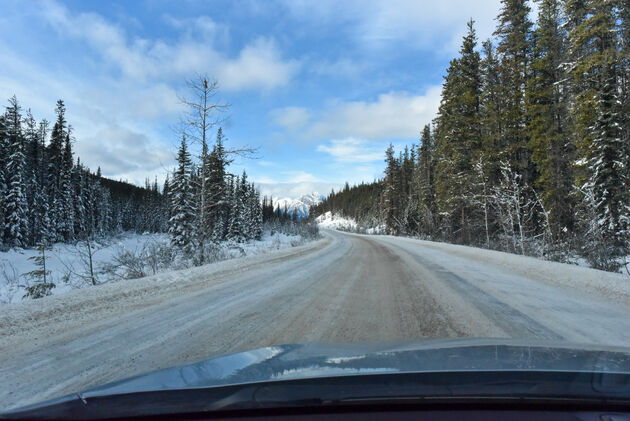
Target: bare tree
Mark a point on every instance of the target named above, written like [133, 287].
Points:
[203, 114]
[85, 251]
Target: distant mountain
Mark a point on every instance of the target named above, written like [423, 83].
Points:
[301, 206]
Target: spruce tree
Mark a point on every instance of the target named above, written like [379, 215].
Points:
[218, 161]
[4, 158]
[16, 227]
[491, 110]
[425, 179]
[42, 285]
[607, 159]
[547, 106]
[458, 137]
[65, 203]
[390, 196]
[54, 161]
[181, 223]
[514, 48]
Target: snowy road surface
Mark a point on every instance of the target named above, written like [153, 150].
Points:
[343, 288]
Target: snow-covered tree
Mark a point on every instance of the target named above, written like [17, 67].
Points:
[42, 285]
[16, 220]
[181, 223]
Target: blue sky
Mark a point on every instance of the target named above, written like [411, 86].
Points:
[319, 87]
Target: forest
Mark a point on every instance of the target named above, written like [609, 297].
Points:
[46, 196]
[530, 149]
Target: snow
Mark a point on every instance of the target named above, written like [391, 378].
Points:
[578, 304]
[332, 221]
[613, 287]
[343, 288]
[66, 265]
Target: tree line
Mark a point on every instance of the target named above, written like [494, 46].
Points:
[46, 196]
[530, 150]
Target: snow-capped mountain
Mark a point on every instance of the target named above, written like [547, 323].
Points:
[301, 206]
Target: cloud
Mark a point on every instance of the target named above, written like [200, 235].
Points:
[392, 115]
[295, 190]
[436, 25]
[300, 176]
[291, 118]
[344, 68]
[123, 153]
[259, 64]
[352, 150]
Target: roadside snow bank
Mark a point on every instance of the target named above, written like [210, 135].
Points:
[611, 286]
[26, 321]
[69, 266]
[332, 221]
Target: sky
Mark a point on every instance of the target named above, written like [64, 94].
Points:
[319, 88]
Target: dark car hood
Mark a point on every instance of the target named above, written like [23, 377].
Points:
[284, 363]
[312, 360]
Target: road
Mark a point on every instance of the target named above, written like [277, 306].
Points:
[344, 288]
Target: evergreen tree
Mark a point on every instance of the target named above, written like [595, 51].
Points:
[491, 110]
[237, 224]
[390, 197]
[4, 159]
[181, 223]
[218, 161]
[607, 159]
[425, 179]
[42, 285]
[65, 205]
[514, 49]
[16, 228]
[459, 136]
[547, 118]
[54, 155]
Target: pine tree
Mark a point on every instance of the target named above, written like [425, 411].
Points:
[65, 204]
[491, 110]
[547, 118]
[514, 49]
[54, 161]
[218, 161]
[390, 197]
[181, 223]
[425, 179]
[607, 161]
[256, 212]
[459, 136]
[42, 286]
[15, 205]
[4, 158]
[237, 228]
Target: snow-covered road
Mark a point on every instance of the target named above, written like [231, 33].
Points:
[343, 288]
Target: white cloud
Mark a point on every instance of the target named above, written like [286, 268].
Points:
[392, 115]
[259, 65]
[295, 190]
[340, 68]
[291, 118]
[435, 25]
[122, 152]
[299, 176]
[352, 150]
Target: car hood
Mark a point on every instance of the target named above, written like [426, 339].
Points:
[313, 360]
[278, 364]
